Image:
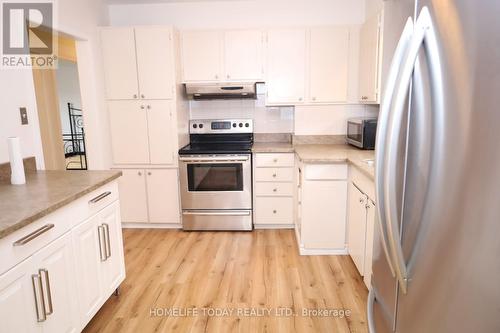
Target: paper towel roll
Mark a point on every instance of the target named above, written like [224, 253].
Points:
[17, 176]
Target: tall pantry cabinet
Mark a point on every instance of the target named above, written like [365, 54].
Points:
[148, 120]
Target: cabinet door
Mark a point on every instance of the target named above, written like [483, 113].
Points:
[113, 267]
[161, 132]
[201, 55]
[324, 214]
[243, 55]
[369, 61]
[163, 195]
[155, 62]
[133, 198]
[329, 63]
[119, 62]
[17, 299]
[129, 132]
[56, 265]
[88, 268]
[357, 227]
[286, 53]
[370, 231]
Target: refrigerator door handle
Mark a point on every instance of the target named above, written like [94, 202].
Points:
[381, 139]
[424, 34]
[369, 311]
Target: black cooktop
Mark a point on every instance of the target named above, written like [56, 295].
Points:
[218, 144]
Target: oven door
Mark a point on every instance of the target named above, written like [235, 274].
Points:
[216, 182]
[355, 133]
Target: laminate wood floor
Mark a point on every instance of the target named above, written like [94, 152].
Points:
[191, 281]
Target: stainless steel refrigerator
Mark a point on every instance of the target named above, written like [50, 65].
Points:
[436, 265]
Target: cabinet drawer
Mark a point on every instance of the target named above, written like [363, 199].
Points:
[273, 210]
[326, 172]
[273, 189]
[274, 160]
[274, 174]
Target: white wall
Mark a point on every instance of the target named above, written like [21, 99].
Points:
[16, 90]
[68, 90]
[79, 19]
[240, 14]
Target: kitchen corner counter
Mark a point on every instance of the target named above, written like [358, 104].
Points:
[43, 193]
[338, 153]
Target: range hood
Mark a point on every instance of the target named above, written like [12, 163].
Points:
[229, 90]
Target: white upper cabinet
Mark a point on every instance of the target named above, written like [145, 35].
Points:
[155, 62]
[243, 57]
[120, 68]
[201, 53]
[328, 64]
[370, 60]
[286, 66]
[138, 63]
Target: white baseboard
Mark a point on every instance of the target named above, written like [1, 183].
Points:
[151, 225]
[321, 252]
[273, 226]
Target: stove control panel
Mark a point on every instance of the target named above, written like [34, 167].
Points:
[214, 126]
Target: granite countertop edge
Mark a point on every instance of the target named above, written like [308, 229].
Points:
[4, 232]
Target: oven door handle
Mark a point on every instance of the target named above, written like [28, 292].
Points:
[213, 159]
[229, 213]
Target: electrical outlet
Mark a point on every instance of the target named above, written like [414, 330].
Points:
[24, 116]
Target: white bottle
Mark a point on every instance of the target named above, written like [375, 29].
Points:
[17, 176]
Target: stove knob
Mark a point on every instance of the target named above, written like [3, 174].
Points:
[194, 125]
[247, 125]
[241, 125]
[200, 125]
[234, 125]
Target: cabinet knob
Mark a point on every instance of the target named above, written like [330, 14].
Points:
[361, 200]
[300, 99]
[135, 96]
[142, 96]
[314, 98]
[149, 173]
[275, 160]
[142, 107]
[274, 211]
[274, 175]
[139, 173]
[275, 190]
[216, 76]
[228, 76]
[148, 107]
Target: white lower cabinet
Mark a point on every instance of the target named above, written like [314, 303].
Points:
[17, 302]
[361, 222]
[273, 190]
[59, 283]
[150, 196]
[321, 213]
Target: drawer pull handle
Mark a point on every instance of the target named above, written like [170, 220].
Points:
[101, 234]
[107, 247]
[100, 197]
[33, 235]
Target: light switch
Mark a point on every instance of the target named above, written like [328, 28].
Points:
[24, 116]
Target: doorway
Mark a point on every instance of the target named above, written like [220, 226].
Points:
[60, 111]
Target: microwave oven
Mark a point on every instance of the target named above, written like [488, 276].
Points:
[361, 132]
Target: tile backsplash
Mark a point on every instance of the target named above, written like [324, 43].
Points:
[300, 120]
[266, 119]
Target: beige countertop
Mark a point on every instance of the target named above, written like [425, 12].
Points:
[43, 193]
[323, 153]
